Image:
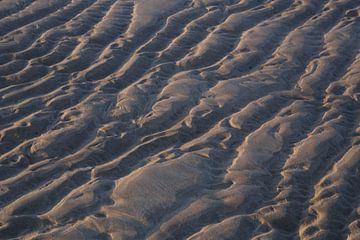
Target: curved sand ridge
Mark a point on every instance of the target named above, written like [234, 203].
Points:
[180, 119]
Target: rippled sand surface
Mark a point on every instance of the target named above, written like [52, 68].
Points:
[180, 119]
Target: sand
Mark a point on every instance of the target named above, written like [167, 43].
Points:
[181, 119]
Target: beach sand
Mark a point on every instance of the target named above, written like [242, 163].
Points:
[180, 119]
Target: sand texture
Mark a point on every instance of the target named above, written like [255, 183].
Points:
[180, 119]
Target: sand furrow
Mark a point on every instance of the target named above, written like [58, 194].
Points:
[184, 119]
[209, 107]
[10, 7]
[34, 12]
[33, 39]
[335, 190]
[141, 92]
[222, 139]
[45, 85]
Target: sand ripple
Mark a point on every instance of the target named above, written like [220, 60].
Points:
[182, 119]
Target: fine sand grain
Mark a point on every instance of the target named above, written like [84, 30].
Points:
[180, 119]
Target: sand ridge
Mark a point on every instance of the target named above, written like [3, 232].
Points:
[184, 119]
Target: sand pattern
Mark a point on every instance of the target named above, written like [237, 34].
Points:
[181, 119]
